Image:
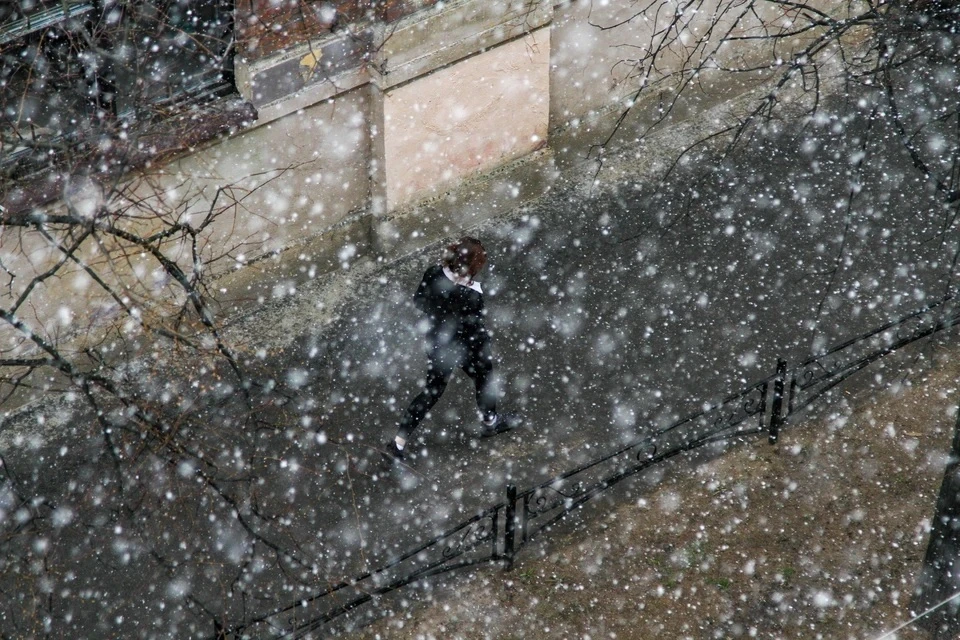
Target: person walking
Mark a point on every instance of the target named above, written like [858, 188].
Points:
[456, 337]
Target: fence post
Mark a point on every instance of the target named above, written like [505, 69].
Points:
[776, 417]
[510, 525]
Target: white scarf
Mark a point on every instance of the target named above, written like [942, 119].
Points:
[463, 281]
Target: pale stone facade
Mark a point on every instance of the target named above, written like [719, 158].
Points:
[459, 120]
[362, 123]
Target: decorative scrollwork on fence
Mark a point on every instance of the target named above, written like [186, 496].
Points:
[734, 411]
[819, 370]
[912, 327]
[724, 419]
[549, 498]
[646, 452]
[468, 537]
[753, 404]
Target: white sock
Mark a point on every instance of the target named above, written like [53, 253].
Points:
[401, 443]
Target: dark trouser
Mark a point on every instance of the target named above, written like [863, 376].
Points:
[442, 360]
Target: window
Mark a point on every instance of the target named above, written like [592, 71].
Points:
[74, 71]
[169, 50]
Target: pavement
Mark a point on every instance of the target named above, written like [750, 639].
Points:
[617, 305]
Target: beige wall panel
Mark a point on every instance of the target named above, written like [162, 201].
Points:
[293, 178]
[469, 117]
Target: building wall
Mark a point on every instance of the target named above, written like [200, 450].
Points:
[298, 175]
[366, 108]
[466, 118]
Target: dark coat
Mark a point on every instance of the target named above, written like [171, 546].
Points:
[455, 312]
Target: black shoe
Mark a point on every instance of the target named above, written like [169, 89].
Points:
[504, 422]
[393, 453]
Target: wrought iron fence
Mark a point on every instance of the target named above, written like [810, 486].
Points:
[539, 507]
[479, 540]
[817, 375]
[494, 535]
